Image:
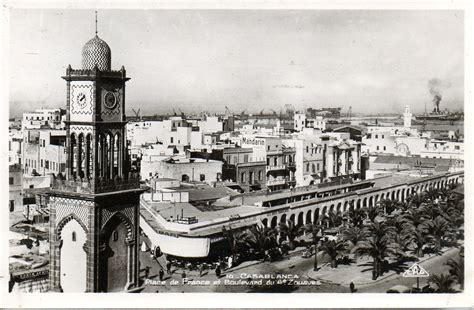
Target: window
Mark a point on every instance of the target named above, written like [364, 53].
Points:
[32, 186]
[115, 235]
[313, 167]
[377, 147]
[41, 163]
[171, 139]
[73, 236]
[202, 177]
[11, 180]
[456, 147]
[246, 158]
[307, 167]
[12, 205]
[384, 148]
[275, 161]
[307, 149]
[243, 177]
[383, 136]
[317, 166]
[260, 175]
[268, 147]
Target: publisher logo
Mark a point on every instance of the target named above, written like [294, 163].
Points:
[415, 271]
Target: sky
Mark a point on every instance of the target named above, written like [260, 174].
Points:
[375, 61]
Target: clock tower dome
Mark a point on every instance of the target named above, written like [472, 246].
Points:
[94, 208]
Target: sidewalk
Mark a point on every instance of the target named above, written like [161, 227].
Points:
[360, 272]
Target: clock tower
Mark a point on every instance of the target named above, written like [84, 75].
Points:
[94, 208]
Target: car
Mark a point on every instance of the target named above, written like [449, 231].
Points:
[399, 289]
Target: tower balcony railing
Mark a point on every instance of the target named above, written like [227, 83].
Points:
[98, 185]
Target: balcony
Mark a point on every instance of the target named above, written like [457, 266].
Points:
[85, 186]
[275, 182]
[291, 165]
[276, 167]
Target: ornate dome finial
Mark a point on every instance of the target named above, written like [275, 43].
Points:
[96, 53]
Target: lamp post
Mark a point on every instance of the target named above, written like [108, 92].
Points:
[316, 237]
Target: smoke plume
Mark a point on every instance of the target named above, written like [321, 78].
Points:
[435, 86]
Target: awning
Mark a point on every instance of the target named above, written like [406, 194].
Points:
[315, 175]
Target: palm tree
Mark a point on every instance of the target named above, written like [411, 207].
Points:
[418, 237]
[372, 212]
[443, 282]
[234, 241]
[388, 206]
[259, 239]
[440, 230]
[378, 246]
[415, 200]
[355, 216]
[317, 231]
[333, 249]
[457, 270]
[289, 231]
[353, 235]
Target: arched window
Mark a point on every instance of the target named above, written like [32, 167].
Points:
[202, 177]
[115, 235]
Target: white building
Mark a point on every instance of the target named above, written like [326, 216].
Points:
[52, 118]
[183, 169]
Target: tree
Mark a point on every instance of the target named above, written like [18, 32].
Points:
[388, 206]
[355, 216]
[418, 237]
[289, 231]
[353, 235]
[457, 270]
[415, 200]
[372, 212]
[440, 230]
[333, 248]
[442, 282]
[316, 230]
[234, 241]
[378, 246]
[259, 239]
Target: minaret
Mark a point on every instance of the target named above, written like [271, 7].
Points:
[94, 208]
[407, 117]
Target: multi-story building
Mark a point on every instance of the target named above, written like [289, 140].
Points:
[51, 118]
[43, 151]
[240, 167]
[341, 157]
[15, 142]
[15, 181]
[308, 158]
[280, 160]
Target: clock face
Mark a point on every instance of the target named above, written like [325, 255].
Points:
[110, 100]
[81, 100]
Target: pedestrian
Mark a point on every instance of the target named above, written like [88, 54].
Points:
[218, 271]
[201, 270]
[147, 271]
[168, 267]
[183, 275]
[352, 287]
[161, 274]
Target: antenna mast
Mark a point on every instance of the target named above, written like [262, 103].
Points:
[95, 22]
